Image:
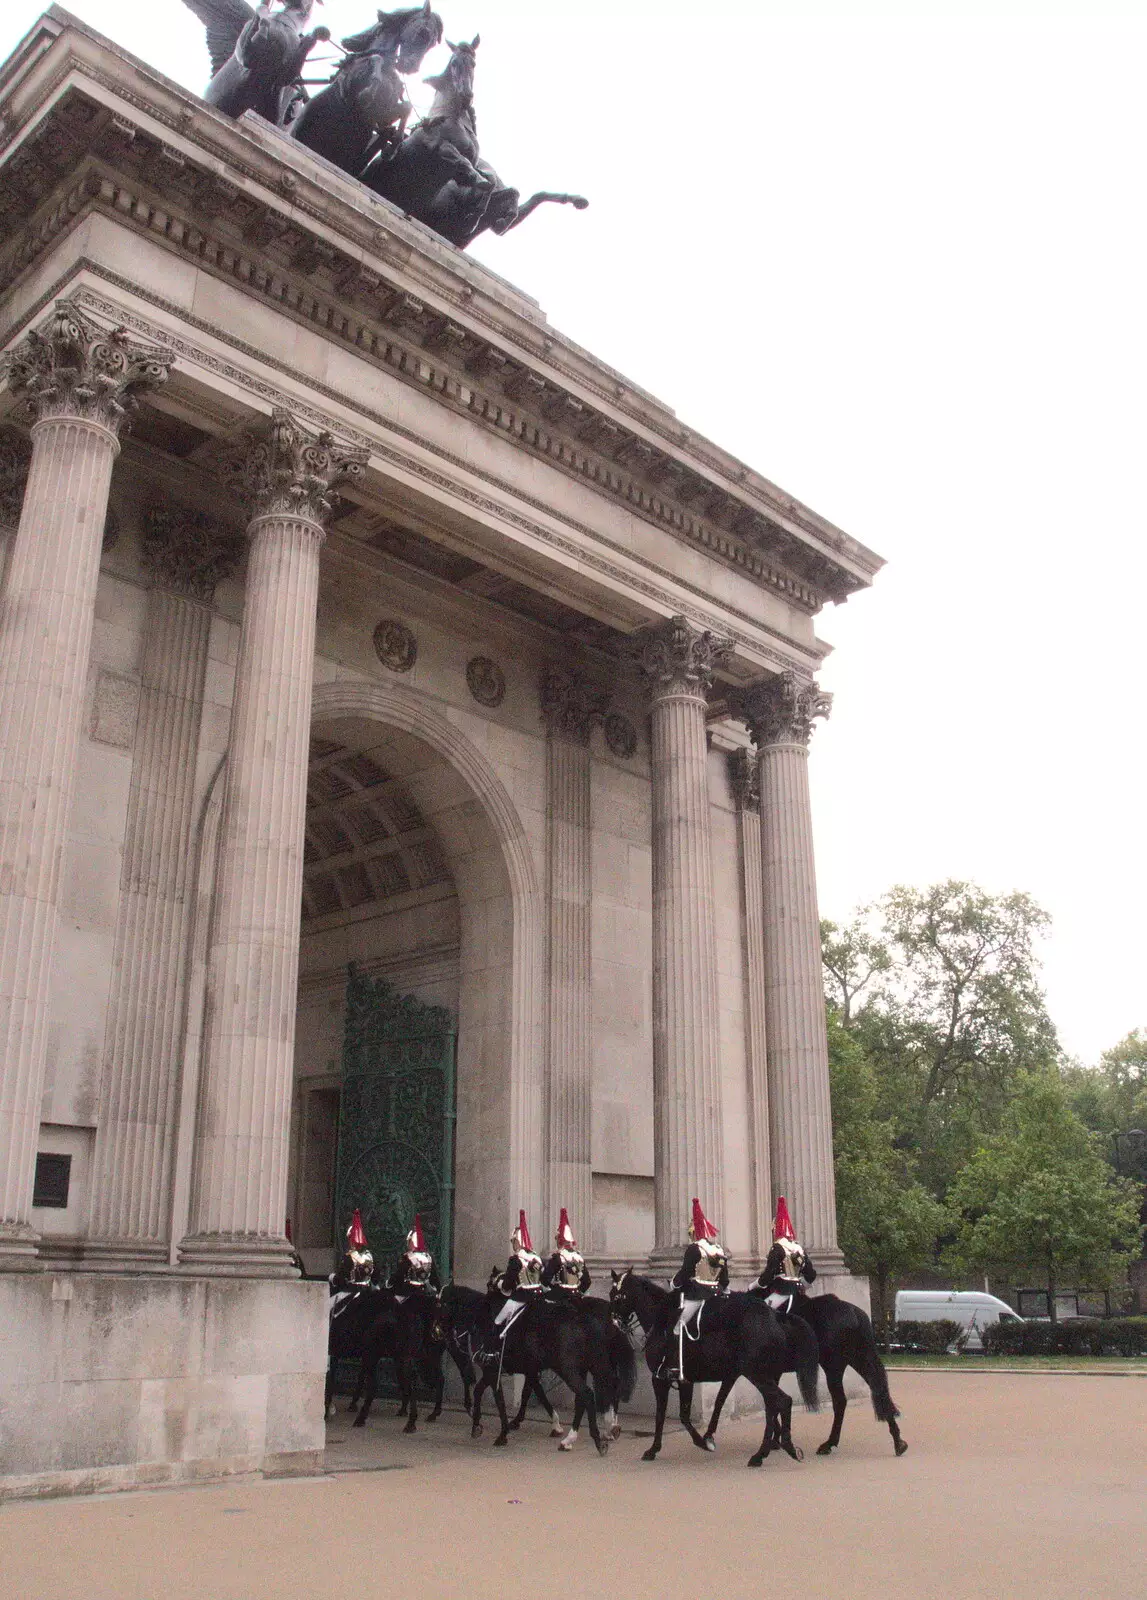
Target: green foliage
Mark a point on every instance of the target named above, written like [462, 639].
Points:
[1038, 1197]
[888, 1222]
[928, 1338]
[1111, 1100]
[940, 987]
[1080, 1336]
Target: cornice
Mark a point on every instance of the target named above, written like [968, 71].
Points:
[553, 397]
[660, 587]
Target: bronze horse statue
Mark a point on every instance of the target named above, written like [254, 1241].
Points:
[363, 111]
[256, 55]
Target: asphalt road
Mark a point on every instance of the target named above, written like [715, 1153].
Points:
[1012, 1486]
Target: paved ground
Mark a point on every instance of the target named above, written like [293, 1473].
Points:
[1012, 1486]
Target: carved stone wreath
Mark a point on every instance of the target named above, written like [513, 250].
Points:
[487, 681]
[395, 645]
[620, 736]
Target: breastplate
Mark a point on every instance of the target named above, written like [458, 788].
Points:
[708, 1269]
[530, 1277]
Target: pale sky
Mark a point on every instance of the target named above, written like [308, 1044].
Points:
[895, 257]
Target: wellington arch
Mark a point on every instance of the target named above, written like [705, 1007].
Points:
[404, 783]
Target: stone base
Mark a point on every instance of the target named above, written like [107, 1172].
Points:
[116, 1382]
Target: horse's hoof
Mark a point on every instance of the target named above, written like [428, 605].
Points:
[359, 1422]
[756, 1461]
[565, 1446]
[825, 1449]
[411, 1427]
[615, 1432]
[650, 1455]
[794, 1450]
[710, 1444]
[501, 1442]
[603, 1447]
[901, 1446]
[557, 1433]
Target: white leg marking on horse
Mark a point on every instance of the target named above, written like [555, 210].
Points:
[569, 1441]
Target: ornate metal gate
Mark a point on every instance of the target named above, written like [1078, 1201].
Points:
[396, 1121]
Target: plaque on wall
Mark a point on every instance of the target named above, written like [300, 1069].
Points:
[486, 680]
[620, 736]
[395, 646]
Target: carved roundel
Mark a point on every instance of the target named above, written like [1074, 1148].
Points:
[395, 646]
[620, 736]
[487, 681]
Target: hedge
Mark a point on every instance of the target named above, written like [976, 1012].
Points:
[1078, 1336]
[926, 1338]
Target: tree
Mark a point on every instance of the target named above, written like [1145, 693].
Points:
[1039, 1197]
[941, 986]
[888, 1222]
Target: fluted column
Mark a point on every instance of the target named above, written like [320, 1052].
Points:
[186, 555]
[570, 707]
[678, 663]
[745, 780]
[15, 454]
[239, 1190]
[80, 382]
[780, 713]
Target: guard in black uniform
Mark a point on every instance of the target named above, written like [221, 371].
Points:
[566, 1273]
[522, 1280]
[415, 1272]
[787, 1266]
[704, 1273]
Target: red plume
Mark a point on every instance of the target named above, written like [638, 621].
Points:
[783, 1223]
[565, 1238]
[416, 1234]
[702, 1227]
[524, 1232]
[356, 1233]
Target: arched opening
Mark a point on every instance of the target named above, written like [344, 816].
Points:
[419, 881]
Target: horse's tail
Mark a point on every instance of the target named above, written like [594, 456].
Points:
[872, 1370]
[624, 1364]
[807, 1365]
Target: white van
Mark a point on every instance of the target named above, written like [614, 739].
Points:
[972, 1309]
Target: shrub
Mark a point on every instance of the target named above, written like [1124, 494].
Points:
[1079, 1336]
[927, 1338]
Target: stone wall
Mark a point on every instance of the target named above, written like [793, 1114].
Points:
[111, 1382]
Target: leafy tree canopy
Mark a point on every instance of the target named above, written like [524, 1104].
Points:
[1039, 1199]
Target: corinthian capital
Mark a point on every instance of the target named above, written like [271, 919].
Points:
[288, 471]
[72, 368]
[677, 658]
[185, 551]
[781, 710]
[745, 779]
[570, 705]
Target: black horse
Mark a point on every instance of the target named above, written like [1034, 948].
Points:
[622, 1362]
[845, 1338]
[256, 55]
[555, 1338]
[468, 1324]
[739, 1337]
[364, 109]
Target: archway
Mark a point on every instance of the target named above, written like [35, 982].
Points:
[438, 839]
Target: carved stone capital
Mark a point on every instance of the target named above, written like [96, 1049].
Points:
[677, 658]
[188, 552]
[15, 454]
[285, 470]
[570, 705]
[781, 710]
[72, 368]
[745, 779]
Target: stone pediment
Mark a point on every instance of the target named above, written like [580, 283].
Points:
[83, 127]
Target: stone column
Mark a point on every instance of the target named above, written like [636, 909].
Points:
[570, 707]
[186, 555]
[79, 382]
[745, 781]
[239, 1190]
[678, 662]
[780, 713]
[15, 454]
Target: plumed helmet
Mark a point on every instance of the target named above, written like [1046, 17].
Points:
[564, 1238]
[414, 1239]
[360, 1262]
[700, 1227]
[783, 1223]
[520, 1239]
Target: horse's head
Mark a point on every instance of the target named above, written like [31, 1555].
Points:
[620, 1298]
[404, 37]
[456, 80]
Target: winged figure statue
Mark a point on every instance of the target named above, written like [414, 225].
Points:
[258, 54]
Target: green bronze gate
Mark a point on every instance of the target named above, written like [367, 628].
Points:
[396, 1122]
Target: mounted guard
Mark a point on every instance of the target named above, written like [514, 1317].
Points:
[787, 1266]
[415, 1272]
[704, 1272]
[521, 1283]
[257, 56]
[566, 1273]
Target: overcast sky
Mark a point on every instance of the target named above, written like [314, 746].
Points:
[894, 257]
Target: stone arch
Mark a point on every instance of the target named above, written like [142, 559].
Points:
[499, 1157]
